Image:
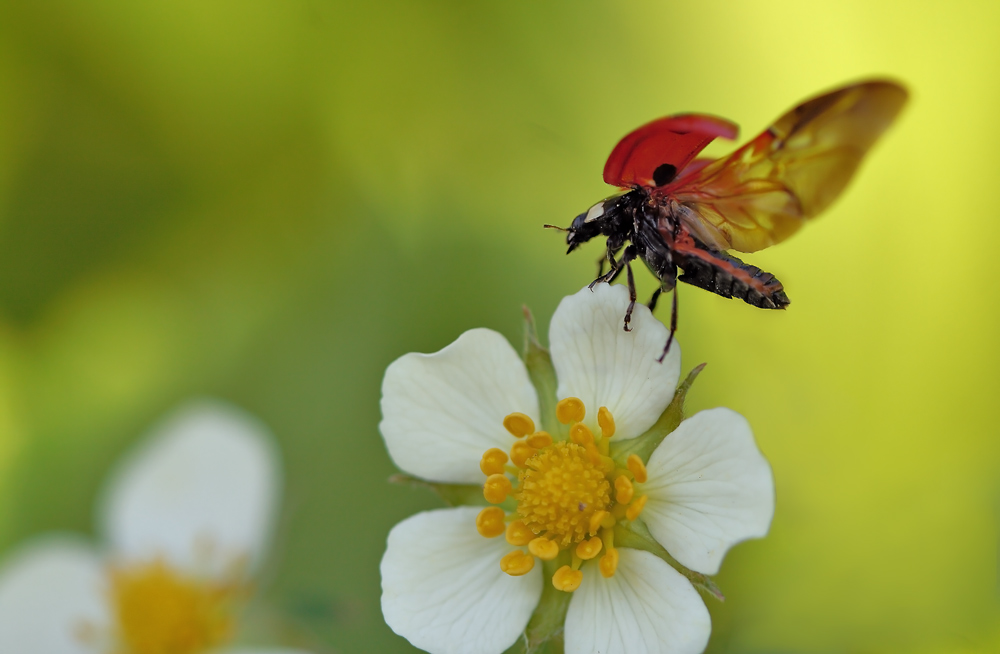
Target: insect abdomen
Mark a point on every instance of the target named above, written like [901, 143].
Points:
[725, 275]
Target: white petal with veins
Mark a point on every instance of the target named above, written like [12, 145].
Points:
[709, 488]
[599, 362]
[647, 607]
[441, 411]
[443, 590]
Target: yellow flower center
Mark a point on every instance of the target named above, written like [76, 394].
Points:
[570, 494]
[159, 611]
[560, 492]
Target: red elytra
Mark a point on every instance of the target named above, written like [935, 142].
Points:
[674, 140]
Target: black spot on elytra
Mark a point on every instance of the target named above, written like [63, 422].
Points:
[664, 174]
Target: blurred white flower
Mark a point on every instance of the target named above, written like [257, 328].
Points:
[452, 585]
[185, 520]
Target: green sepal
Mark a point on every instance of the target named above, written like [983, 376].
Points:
[542, 373]
[671, 417]
[636, 536]
[544, 633]
[452, 494]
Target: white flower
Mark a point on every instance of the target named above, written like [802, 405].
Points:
[452, 585]
[185, 519]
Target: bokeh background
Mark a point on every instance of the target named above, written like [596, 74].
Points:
[268, 201]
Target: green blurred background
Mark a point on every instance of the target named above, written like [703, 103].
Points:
[269, 200]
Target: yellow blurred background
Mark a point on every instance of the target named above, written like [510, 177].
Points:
[269, 200]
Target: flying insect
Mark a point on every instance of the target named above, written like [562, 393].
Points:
[680, 213]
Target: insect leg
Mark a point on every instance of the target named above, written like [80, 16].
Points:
[613, 274]
[652, 300]
[631, 296]
[612, 270]
[616, 267]
[673, 327]
[609, 256]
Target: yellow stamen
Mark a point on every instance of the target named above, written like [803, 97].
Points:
[636, 507]
[489, 522]
[539, 440]
[618, 511]
[493, 461]
[159, 611]
[609, 562]
[567, 579]
[608, 537]
[496, 488]
[565, 501]
[596, 521]
[581, 434]
[623, 490]
[519, 534]
[606, 422]
[569, 410]
[588, 549]
[517, 563]
[543, 548]
[560, 492]
[637, 468]
[521, 452]
[519, 425]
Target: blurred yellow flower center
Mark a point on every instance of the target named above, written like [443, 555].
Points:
[569, 495]
[159, 611]
[560, 492]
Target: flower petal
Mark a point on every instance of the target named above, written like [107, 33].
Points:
[709, 488]
[201, 490]
[441, 411]
[599, 362]
[443, 590]
[645, 608]
[50, 593]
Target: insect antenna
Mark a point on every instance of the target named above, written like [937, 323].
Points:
[561, 229]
